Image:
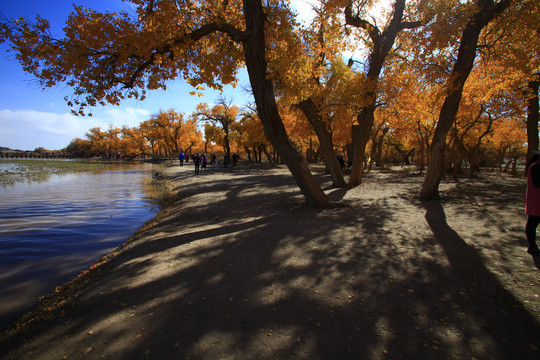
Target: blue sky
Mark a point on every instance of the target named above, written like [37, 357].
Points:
[31, 117]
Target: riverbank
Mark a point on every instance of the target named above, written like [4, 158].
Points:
[238, 267]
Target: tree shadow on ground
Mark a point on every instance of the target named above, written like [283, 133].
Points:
[253, 274]
[493, 311]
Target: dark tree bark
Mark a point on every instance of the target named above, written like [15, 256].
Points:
[360, 136]
[248, 152]
[487, 10]
[379, 146]
[474, 153]
[382, 43]
[311, 109]
[263, 92]
[532, 115]
[313, 115]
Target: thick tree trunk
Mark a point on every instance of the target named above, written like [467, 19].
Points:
[263, 92]
[532, 115]
[455, 84]
[360, 137]
[314, 117]
[382, 43]
[430, 187]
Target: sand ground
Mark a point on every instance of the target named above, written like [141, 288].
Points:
[238, 267]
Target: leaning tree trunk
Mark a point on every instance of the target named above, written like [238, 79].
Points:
[263, 92]
[455, 84]
[314, 117]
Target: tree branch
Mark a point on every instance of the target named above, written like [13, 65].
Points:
[410, 24]
[197, 34]
[356, 21]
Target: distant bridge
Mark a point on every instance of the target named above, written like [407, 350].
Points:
[21, 154]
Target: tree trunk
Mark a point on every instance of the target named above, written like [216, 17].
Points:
[422, 156]
[378, 154]
[475, 152]
[474, 161]
[508, 163]
[269, 156]
[360, 137]
[514, 165]
[263, 92]
[455, 84]
[408, 155]
[227, 145]
[314, 117]
[374, 144]
[310, 151]
[532, 115]
[248, 152]
[382, 43]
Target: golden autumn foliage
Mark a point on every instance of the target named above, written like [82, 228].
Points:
[249, 135]
[221, 117]
[165, 134]
[107, 57]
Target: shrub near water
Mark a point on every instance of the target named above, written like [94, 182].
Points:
[37, 170]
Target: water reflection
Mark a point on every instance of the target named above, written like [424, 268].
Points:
[52, 230]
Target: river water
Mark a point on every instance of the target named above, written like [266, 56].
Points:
[52, 230]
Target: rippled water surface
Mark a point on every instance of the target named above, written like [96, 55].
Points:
[52, 230]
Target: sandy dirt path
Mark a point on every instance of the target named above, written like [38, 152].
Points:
[238, 267]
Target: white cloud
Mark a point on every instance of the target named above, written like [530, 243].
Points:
[126, 116]
[29, 129]
[305, 10]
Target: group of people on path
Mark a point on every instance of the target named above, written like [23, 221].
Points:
[201, 161]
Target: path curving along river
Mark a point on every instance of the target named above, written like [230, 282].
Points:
[52, 230]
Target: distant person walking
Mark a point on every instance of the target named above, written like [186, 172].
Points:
[225, 160]
[204, 161]
[341, 161]
[234, 159]
[181, 157]
[196, 160]
[532, 205]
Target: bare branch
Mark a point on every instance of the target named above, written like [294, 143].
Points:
[411, 24]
